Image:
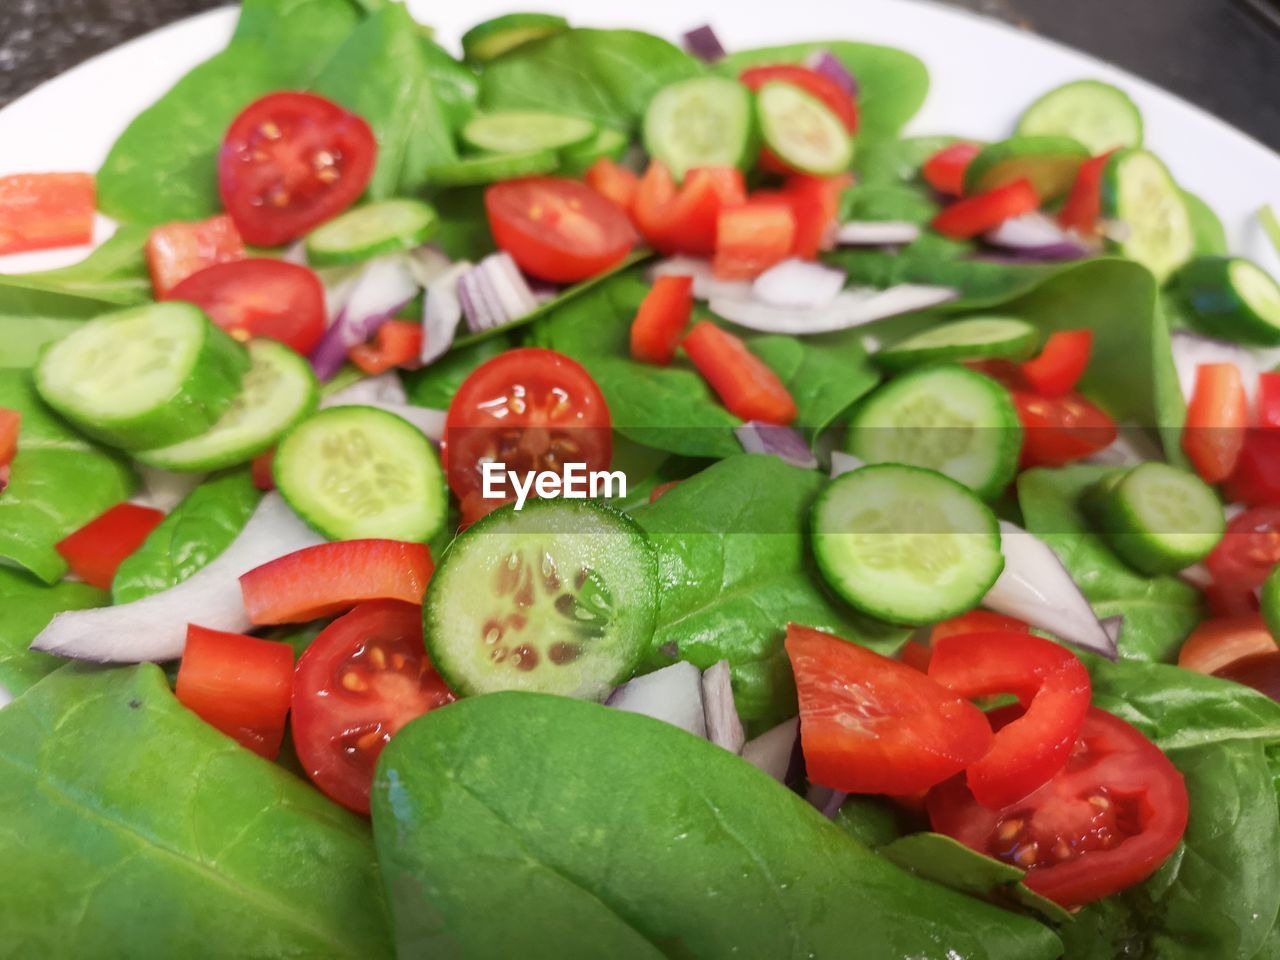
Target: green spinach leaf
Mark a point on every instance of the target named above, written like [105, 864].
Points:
[26, 607]
[434, 386]
[455, 84]
[1210, 237]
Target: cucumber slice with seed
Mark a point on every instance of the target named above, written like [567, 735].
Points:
[518, 131]
[1050, 163]
[491, 39]
[803, 131]
[1231, 298]
[702, 122]
[1153, 226]
[492, 167]
[560, 597]
[1100, 116]
[974, 338]
[371, 231]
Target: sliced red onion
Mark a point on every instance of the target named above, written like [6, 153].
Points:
[832, 67]
[441, 313]
[852, 308]
[706, 285]
[773, 751]
[842, 462]
[703, 43]
[877, 233]
[384, 388]
[380, 291]
[509, 284]
[1039, 237]
[724, 726]
[1132, 446]
[798, 283]
[1190, 350]
[155, 628]
[426, 263]
[163, 490]
[825, 800]
[672, 694]
[787, 444]
[1034, 586]
[1114, 627]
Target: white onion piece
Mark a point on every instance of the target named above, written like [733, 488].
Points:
[851, 308]
[706, 285]
[381, 289]
[1197, 575]
[842, 462]
[825, 800]
[427, 263]
[383, 388]
[1036, 233]
[798, 283]
[163, 489]
[724, 726]
[771, 751]
[672, 694]
[877, 233]
[1131, 447]
[441, 313]
[1190, 350]
[1034, 586]
[784, 443]
[155, 628]
[1114, 626]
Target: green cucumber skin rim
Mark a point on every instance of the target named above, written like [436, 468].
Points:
[764, 124]
[1206, 286]
[319, 255]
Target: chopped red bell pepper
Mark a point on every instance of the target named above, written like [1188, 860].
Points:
[815, 203]
[1269, 399]
[974, 215]
[398, 343]
[751, 237]
[96, 550]
[261, 470]
[744, 383]
[177, 250]
[10, 421]
[1062, 362]
[40, 211]
[661, 320]
[975, 621]
[239, 684]
[1083, 206]
[944, 171]
[326, 579]
[685, 219]
[614, 182]
[1216, 421]
[1256, 479]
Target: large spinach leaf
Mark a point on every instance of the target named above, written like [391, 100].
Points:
[455, 84]
[134, 829]
[522, 824]
[734, 569]
[200, 528]
[26, 607]
[434, 386]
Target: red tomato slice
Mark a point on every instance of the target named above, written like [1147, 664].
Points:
[1083, 206]
[363, 678]
[1220, 642]
[969, 217]
[531, 409]
[177, 251]
[260, 298]
[811, 82]
[239, 684]
[326, 579]
[398, 343]
[1256, 478]
[1060, 430]
[975, 621]
[744, 382]
[1260, 671]
[1053, 687]
[613, 182]
[869, 724]
[751, 237]
[40, 211]
[661, 320]
[1062, 362]
[1269, 399]
[10, 422]
[96, 550]
[559, 230]
[684, 220]
[1107, 821]
[290, 162]
[261, 470]
[1217, 416]
[944, 171]
[1248, 550]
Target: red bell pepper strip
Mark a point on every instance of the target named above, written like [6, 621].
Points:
[326, 579]
[40, 211]
[398, 343]
[177, 250]
[975, 621]
[1216, 420]
[1062, 362]
[969, 217]
[96, 550]
[614, 182]
[685, 219]
[1083, 206]
[752, 237]
[661, 320]
[10, 421]
[1269, 399]
[743, 381]
[944, 171]
[239, 684]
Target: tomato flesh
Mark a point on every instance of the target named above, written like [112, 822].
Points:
[41, 211]
[362, 679]
[1248, 550]
[1260, 671]
[661, 320]
[613, 182]
[869, 724]
[1106, 822]
[1269, 399]
[684, 220]
[1060, 430]
[1255, 479]
[96, 550]
[177, 251]
[398, 343]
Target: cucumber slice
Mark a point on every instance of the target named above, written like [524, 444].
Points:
[144, 377]
[519, 131]
[1231, 298]
[1098, 115]
[1050, 163]
[370, 231]
[492, 167]
[355, 472]
[803, 131]
[560, 597]
[607, 142]
[278, 391]
[1160, 519]
[1155, 228]
[974, 338]
[492, 38]
[701, 122]
[945, 418]
[904, 544]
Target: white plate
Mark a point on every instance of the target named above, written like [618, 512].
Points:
[983, 74]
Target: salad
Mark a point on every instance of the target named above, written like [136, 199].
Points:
[602, 498]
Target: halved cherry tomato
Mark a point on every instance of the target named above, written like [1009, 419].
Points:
[1051, 684]
[811, 82]
[1216, 420]
[530, 409]
[260, 298]
[1106, 822]
[1231, 599]
[974, 215]
[290, 162]
[96, 550]
[177, 251]
[1060, 430]
[1256, 478]
[363, 678]
[10, 422]
[1269, 399]
[559, 230]
[684, 220]
[261, 470]
[1260, 671]
[975, 621]
[1248, 550]
[398, 343]
[1083, 206]
[323, 580]
[1217, 643]
[661, 320]
[239, 684]
[944, 171]
[613, 182]
[744, 382]
[1062, 362]
[40, 211]
[869, 724]
[751, 237]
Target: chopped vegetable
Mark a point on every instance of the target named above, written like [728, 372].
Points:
[1217, 643]
[177, 251]
[95, 550]
[986, 211]
[10, 422]
[40, 211]
[786, 443]
[744, 383]
[944, 171]
[661, 320]
[685, 220]
[703, 43]
[1062, 362]
[1269, 399]
[1083, 206]
[672, 695]
[613, 182]
[398, 343]
[752, 237]
[1217, 416]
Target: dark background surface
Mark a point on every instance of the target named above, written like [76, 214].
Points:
[1223, 55]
